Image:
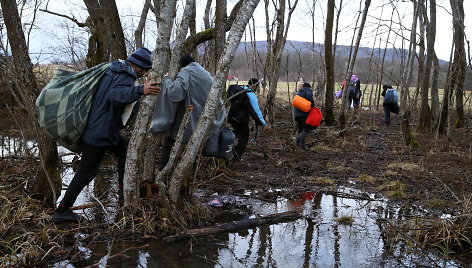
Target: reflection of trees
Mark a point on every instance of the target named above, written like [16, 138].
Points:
[337, 257]
[308, 239]
[265, 246]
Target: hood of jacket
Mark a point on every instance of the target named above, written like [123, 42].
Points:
[121, 66]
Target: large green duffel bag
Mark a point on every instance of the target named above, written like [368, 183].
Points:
[63, 105]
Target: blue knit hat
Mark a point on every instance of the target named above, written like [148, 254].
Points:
[142, 58]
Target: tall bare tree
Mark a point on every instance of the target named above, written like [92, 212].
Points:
[344, 104]
[48, 181]
[275, 46]
[329, 64]
[424, 123]
[460, 59]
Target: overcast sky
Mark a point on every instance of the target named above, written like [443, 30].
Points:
[54, 35]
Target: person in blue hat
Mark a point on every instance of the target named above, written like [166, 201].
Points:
[102, 133]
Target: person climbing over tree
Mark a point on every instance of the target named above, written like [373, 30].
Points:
[102, 132]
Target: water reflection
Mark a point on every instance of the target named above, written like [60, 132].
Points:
[316, 240]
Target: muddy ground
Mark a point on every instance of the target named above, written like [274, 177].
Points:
[368, 155]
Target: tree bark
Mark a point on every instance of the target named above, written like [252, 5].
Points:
[137, 149]
[214, 102]
[329, 65]
[234, 226]
[460, 59]
[48, 181]
[424, 123]
[274, 51]
[107, 41]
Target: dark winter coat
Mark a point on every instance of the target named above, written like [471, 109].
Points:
[115, 91]
[307, 93]
[243, 106]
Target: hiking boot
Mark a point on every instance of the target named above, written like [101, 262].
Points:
[66, 216]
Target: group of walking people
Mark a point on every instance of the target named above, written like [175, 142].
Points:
[190, 87]
[117, 89]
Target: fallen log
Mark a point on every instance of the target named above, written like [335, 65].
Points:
[235, 225]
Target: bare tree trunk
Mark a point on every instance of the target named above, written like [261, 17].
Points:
[342, 114]
[406, 79]
[138, 33]
[329, 65]
[136, 149]
[435, 90]
[107, 39]
[421, 57]
[275, 50]
[460, 62]
[382, 64]
[443, 118]
[213, 105]
[48, 181]
[424, 123]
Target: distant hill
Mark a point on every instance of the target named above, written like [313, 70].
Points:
[343, 51]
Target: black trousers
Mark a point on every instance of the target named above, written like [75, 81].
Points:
[165, 153]
[241, 131]
[88, 168]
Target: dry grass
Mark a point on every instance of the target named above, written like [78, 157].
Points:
[451, 235]
[394, 189]
[320, 180]
[410, 167]
[345, 220]
[364, 178]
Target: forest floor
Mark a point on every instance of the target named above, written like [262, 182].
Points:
[368, 156]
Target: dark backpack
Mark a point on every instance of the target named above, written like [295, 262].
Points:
[391, 96]
[236, 92]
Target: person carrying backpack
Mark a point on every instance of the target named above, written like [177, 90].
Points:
[390, 102]
[300, 117]
[243, 105]
[115, 91]
[354, 91]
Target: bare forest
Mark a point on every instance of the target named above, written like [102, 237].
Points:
[368, 189]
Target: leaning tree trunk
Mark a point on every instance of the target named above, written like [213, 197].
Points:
[329, 65]
[48, 181]
[344, 104]
[213, 105]
[136, 148]
[460, 62]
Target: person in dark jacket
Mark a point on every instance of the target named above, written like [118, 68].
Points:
[300, 117]
[116, 90]
[390, 103]
[243, 106]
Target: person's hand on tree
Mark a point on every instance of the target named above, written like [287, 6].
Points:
[151, 88]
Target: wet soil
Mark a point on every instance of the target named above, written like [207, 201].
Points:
[367, 155]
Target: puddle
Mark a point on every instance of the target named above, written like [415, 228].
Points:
[315, 240]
